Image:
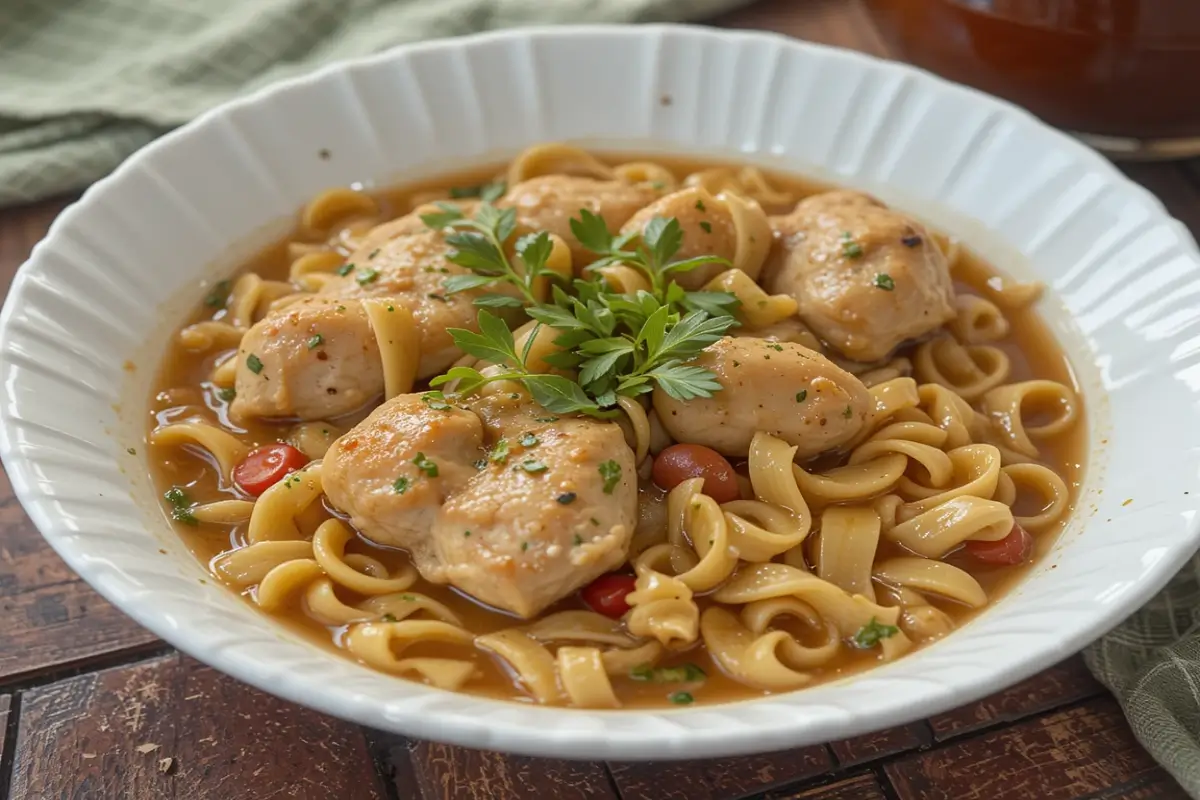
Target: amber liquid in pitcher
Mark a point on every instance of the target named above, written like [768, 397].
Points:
[1125, 74]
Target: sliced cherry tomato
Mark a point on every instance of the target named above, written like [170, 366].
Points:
[681, 462]
[606, 595]
[267, 466]
[1012, 549]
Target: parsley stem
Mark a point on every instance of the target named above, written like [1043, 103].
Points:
[523, 283]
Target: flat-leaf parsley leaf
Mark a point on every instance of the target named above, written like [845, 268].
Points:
[873, 633]
[610, 471]
[426, 466]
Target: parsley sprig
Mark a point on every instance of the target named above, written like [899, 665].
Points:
[619, 345]
[494, 343]
[652, 253]
[873, 633]
[479, 245]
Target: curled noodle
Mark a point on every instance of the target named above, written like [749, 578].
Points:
[225, 448]
[1007, 406]
[748, 182]
[756, 309]
[275, 511]
[334, 205]
[646, 173]
[556, 159]
[970, 371]
[977, 320]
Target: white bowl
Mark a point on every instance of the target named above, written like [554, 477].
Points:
[119, 268]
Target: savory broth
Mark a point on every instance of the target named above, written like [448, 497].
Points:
[187, 391]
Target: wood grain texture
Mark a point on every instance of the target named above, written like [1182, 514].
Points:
[49, 618]
[839, 22]
[1084, 752]
[881, 744]
[444, 772]
[720, 778]
[1063, 683]
[173, 728]
[5, 705]
[860, 787]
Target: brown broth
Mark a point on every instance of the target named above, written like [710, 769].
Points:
[183, 391]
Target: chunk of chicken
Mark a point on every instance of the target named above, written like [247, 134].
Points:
[707, 226]
[315, 358]
[412, 271]
[559, 512]
[866, 278]
[310, 381]
[393, 471]
[548, 203]
[518, 531]
[779, 387]
[411, 224]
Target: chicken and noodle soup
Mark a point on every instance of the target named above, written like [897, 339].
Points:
[601, 432]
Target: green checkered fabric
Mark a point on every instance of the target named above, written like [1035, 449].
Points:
[84, 83]
[1151, 662]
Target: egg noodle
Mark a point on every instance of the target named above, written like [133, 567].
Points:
[820, 566]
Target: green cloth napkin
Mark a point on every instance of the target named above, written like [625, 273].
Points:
[1151, 662]
[84, 83]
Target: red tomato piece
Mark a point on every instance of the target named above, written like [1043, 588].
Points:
[1014, 548]
[681, 462]
[606, 595]
[267, 466]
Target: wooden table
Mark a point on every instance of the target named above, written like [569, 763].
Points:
[92, 706]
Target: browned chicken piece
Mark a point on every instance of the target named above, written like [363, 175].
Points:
[314, 359]
[708, 230]
[557, 513]
[412, 270]
[507, 503]
[335, 374]
[548, 203]
[778, 387]
[393, 471]
[866, 278]
[411, 223]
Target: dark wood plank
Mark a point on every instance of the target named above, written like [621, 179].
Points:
[392, 754]
[860, 787]
[718, 779]
[445, 772]
[1083, 752]
[881, 744]
[172, 727]
[48, 617]
[1063, 683]
[838, 22]
[5, 705]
